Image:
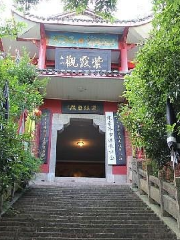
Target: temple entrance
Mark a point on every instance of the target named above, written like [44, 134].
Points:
[80, 150]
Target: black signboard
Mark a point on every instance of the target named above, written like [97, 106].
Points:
[82, 59]
[44, 135]
[119, 136]
[87, 107]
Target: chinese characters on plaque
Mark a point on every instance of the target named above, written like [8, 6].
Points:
[82, 59]
[44, 135]
[115, 140]
[110, 141]
[119, 134]
[82, 107]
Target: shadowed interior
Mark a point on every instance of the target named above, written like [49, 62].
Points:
[73, 160]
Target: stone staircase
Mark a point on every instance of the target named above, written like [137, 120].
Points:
[86, 212]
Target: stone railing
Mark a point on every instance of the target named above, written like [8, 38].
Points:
[166, 195]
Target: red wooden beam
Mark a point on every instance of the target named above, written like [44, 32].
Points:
[130, 46]
[125, 33]
[115, 66]
[42, 48]
[50, 63]
[33, 40]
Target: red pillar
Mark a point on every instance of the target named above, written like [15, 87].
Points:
[123, 51]
[124, 59]
[42, 48]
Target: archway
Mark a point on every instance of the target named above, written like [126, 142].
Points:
[80, 150]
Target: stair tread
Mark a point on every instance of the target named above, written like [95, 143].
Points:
[82, 213]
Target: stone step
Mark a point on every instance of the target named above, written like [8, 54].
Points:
[85, 213]
[91, 224]
[81, 227]
[42, 222]
[62, 238]
[87, 234]
[81, 209]
[135, 217]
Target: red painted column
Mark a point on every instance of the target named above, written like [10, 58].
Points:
[124, 58]
[123, 51]
[42, 48]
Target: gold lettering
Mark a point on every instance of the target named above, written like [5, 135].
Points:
[80, 108]
[72, 107]
[93, 107]
[86, 108]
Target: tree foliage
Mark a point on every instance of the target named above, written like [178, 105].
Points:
[156, 77]
[8, 27]
[17, 164]
[26, 4]
[16, 161]
[104, 8]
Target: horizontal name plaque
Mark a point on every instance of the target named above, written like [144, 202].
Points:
[82, 40]
[86, 107]
[82, 59]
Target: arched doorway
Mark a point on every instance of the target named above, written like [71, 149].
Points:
[80, 150]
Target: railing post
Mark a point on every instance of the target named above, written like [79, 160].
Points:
[177, 185]
[134, 173]
[161, 192]
[129, 169]
[148, 173]
[139, 165]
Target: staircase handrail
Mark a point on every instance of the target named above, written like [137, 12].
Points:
[159, 192]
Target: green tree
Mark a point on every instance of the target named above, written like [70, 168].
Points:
[26, 4]
[8, 27]
[16, 160]
[155, 78]
[104, 8]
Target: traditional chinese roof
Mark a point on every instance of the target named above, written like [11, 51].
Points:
[88, 22]
[88, 17]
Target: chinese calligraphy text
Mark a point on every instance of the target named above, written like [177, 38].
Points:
[110, 141]
[81, 59]
[82, 107]
[44, 135]
[115, 140]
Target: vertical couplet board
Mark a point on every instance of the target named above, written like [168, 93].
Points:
[44, 135]
[115, 141]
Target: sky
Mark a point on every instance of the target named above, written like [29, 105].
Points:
[126, 9]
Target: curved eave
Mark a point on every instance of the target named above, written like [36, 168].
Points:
[80, 22]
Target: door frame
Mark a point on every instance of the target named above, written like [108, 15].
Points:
[59, 121]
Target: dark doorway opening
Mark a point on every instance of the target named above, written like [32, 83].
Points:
[80, 150]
